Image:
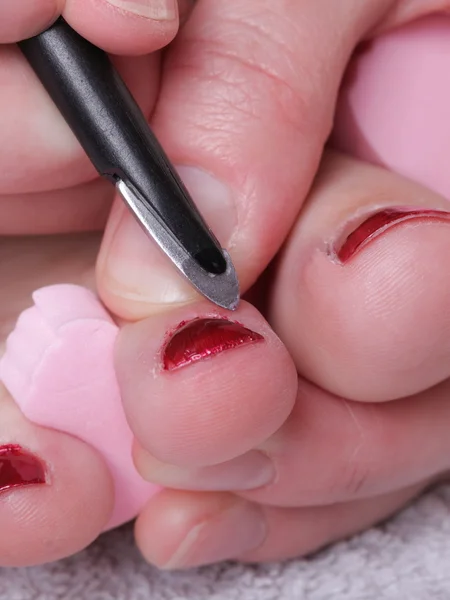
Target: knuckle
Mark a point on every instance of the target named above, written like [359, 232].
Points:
[262, 78]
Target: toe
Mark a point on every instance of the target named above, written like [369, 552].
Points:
[359, 296]
[201, 386]
[56, 494]
[180, 530]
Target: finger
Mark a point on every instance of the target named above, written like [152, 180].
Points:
[83, 207]
[38, 151]
[125, 27]
[179, 530]
[183, 401]
[20, 20]
[185, 8]
[49, 482]
[359, 296]
[245, 108]
[118, 26]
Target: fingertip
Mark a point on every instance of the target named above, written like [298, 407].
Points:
[21, 20]
[124, 27]
[27, 115]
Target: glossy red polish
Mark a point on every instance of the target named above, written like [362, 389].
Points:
[204, 338]
[19, 468]
[380, 222]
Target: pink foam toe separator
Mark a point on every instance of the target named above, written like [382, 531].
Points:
[58, 366]
[393, 107]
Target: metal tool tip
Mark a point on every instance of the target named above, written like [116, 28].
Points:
[222, 289]
[212, 274]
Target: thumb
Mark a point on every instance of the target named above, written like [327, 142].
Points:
[245, 108]
[125, 27]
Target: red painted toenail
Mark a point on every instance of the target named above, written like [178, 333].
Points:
[18, 468]
[203, 338]
[380, 222]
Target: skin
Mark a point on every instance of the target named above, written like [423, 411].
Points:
[246, 96]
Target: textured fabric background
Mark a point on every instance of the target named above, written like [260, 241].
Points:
[405, 559]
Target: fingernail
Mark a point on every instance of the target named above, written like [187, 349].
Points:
[132, 265]
[19, 468]
[247, 472]
[377, 224]
[158, 10]
[228, 535]
[205, 338]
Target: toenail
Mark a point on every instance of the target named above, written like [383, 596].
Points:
[377, 224]
[204, 338]
[19, 468]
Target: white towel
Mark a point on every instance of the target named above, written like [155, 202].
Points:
[407, 558]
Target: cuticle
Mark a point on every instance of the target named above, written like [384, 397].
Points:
[361, 215]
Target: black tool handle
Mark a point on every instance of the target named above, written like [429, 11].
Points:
[100, 110]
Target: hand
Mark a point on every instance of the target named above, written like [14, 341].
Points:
[235, 106]
[48, 185]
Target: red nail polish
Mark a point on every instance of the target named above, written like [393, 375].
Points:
[378, 223]
[18, 468]
[203, 338]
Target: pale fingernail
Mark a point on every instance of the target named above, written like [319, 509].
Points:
[134, 268]
[158, 10]
[247, 472]
[225, 536]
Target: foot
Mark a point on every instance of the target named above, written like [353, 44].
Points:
[271, 459]
[65, 445]
[268, 453]
[266, 468]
